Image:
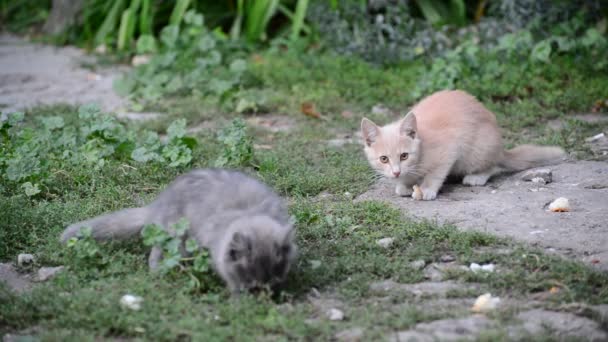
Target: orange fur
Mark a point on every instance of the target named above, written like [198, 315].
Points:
[448, 132]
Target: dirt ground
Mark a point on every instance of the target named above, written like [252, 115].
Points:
[509, 206]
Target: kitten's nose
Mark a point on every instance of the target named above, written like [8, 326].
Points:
[396, 173]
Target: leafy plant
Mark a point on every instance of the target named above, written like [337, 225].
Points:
[84, 252]
[237, 145]
[177, 151]
[196, 265]
[30, 153]
[439, 12]
[189, 62]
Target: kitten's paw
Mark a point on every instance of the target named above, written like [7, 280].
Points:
[403, 190]
[427, 195]
[475, 180]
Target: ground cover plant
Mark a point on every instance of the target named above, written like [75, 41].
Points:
[289, 117]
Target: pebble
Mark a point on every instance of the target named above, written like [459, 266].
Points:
[447, 258]
[418, 264]
[24, 259]
[385, 242]
[335, 314]
[131, 302]
[531, 175]
[46, 273]
[483, 268]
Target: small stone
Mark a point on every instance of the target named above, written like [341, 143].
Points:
[24, 259]
[539, 180]
[380, 109]
[447, 258]
[433, 273]
[101, 49]
[46, 273]
[131, 302]
[418, 264]
[314, 293]
[481, 268]
[140, 60]
[385, 242]
[314, 264]
[545, 174]
[335, 314]
[350, 335]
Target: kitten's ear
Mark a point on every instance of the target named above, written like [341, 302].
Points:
[369, 130]
[240, 246]
[408, 126]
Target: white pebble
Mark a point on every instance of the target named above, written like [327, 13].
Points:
[538, 180]
[385, 242]
[560, 205]
[474, 267]
[131, 302]
[24, 259]
[335, 314]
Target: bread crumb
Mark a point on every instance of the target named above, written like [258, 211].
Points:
[417, 194]
[485, 303]
[560, 205]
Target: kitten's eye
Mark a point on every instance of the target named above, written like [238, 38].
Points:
[404, 156]
[384, 159]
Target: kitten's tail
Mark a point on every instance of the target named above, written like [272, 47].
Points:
[120, 225]
[528, 156]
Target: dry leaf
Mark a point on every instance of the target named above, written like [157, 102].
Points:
[308, 108]
[554, 290]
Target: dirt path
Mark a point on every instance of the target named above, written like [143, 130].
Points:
[509, 206]
[34, 74]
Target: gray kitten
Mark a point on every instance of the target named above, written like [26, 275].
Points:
[243, 223]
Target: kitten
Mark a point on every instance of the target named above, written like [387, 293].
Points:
[447, 133]
[242, 222]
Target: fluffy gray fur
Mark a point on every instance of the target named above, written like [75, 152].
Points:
[242, 222]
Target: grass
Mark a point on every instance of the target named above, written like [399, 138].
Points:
[337, 238]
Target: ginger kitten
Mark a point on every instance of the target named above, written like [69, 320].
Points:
[447, 133]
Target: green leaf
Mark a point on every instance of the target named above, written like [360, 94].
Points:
[193, 18]
[201, 262]
[181, 226]
[169, 35]
[124, 85]
[189, 142]
[88, 111]
[206, 43]
[172, 246]
[169, 262]
[15, 118]
[177, 129]
[191, 245]
[146, 44]
[143, 155]
[154, 235]
[238, 66]
[219, 87]
[30, 190]
[541, 51]
[52, 122]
